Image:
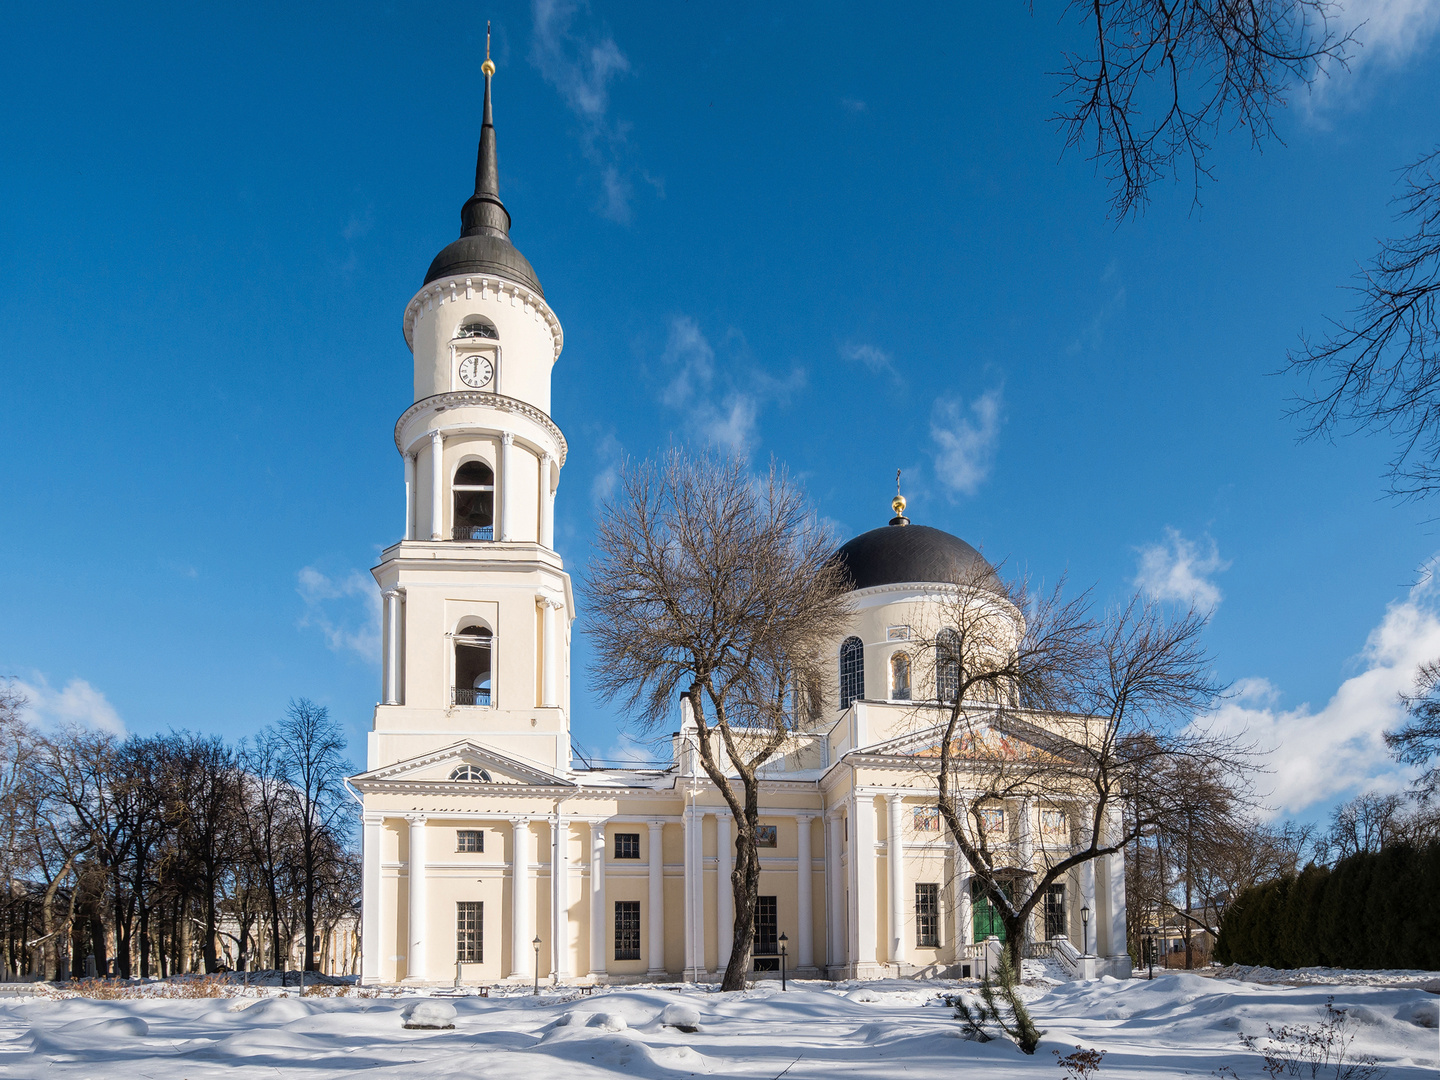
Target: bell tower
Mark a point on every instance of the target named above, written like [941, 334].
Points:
[477, 603]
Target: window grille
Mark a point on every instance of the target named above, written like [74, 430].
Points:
[627, 845]
[471, 773]
[767, 926]
[1055, 912]
[469, 840]
[900, 677]
[469, 932]
[852, 671]
[627, 929]
[927, 914]
[947, 665]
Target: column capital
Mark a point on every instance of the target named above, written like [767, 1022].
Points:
[597, 827]
[369, 818]
[507, 437]
[520, 819]
[656, 823]
[416, 819]
[394, 591]
[436, 436]
[835, 813]
[805, 817]
[546, 457]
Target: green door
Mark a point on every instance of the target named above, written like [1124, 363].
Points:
[986, 918]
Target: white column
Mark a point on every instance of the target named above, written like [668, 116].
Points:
[598, 924]
[692, 887]
[964, 914]
[409, 495]
[549, 696]
[522, 907]
[724, 890]
[1025, 855]
[1087, 900]
[803, 898]
[863, 945]
[437, 484]
[370, 918]
[655, 951]
[547, 503]
[895, 863]
[392, 647]
[1115, 885]
[560, 905]
[507, 440]
[834, 877]
[415, 948]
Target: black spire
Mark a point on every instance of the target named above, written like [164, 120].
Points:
[483, 212]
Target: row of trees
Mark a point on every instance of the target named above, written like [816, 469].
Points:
[171, 853]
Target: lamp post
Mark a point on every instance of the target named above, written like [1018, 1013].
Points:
[536, 943]
[1085, 929]
[782, 961]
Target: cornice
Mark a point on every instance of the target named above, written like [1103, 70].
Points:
[456, 398]
[448, 290]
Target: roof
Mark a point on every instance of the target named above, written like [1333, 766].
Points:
[894, 554]
[484, 247]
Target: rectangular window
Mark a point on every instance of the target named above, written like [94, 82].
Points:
[993, 819]
[927, 819]
[767, 926]
[765, 836]
[1052, 820]
[470, 932]
[627, 929]
[1055, 912]
[927, 914]
[470, 840]
[627, 845]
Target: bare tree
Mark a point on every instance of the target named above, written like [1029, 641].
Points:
[1034, 701]
[1379, 368]
[311, 751]
[1158, 80]
[1417, 741]
[718, 589]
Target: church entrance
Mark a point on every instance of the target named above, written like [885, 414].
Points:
[767, 929]
[986, 919]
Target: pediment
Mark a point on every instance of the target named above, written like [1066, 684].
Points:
[982, 741]
[439, 765]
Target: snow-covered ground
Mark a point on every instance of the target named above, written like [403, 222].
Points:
[1179, 1024]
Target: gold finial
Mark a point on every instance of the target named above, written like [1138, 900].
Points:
[488, 67]
[898, 503]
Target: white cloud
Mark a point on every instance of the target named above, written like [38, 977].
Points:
[581, 66]
[854, 105]
[965, 440]
[346, 609]
[609, 453]
[77, 704]
[876, 359]
[689, 355]
[1180, 569]
[1326, 753]
[1388, 35]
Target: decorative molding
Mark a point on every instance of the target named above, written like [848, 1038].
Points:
[454, 399]
[445, 289]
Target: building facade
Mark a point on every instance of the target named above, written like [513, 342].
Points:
[489, 856]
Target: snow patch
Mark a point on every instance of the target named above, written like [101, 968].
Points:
[681, 1016]
[429, 1015]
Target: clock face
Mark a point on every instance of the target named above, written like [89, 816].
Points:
[476, 371]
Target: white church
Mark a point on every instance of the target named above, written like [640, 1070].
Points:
[490, 856]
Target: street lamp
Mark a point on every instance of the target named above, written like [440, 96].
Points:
[782, 961]
[1085, 931]
[536, 943]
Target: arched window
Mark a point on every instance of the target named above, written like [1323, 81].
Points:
[474, 488]
[475, 327]
[471, 772]
[900, 677]
[947, 665]
[852, 671]
[472, 666]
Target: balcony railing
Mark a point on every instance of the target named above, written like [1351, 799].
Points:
[469, 695]
[473, 532]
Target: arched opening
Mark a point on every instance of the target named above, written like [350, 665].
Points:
[474, 488]
[852, 671]
[947, 665]
[900, 677]
[473, 654]
[476, 327]
[471, 772]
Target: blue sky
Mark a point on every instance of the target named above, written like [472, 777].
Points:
[847, 239]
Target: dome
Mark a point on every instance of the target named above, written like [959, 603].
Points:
[481, 254]
[894, 554]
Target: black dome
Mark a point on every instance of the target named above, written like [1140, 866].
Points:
[899, 553]
[480, 254]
